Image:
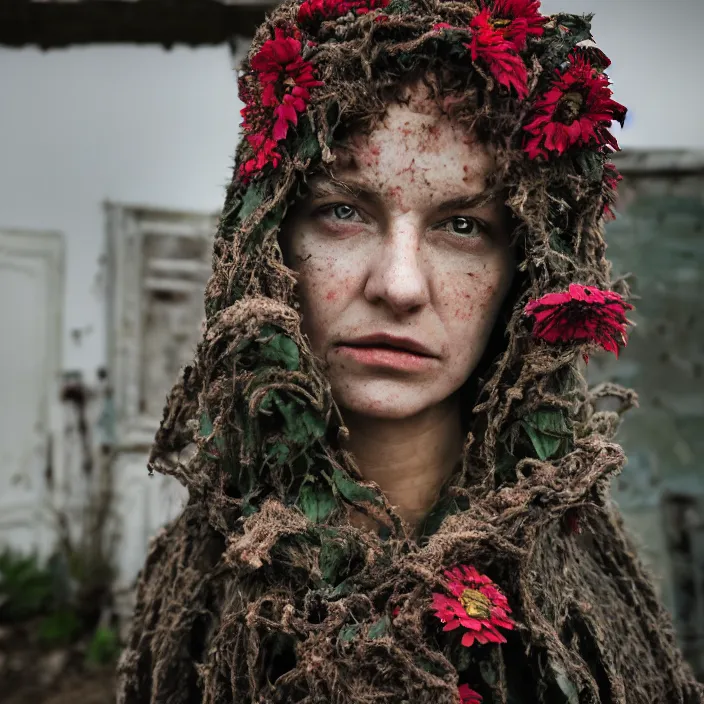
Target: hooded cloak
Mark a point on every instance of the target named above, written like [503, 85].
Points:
[262, 590]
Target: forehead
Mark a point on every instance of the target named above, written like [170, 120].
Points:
[418, 147]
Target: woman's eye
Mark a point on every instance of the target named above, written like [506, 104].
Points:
[343, 212]
[466, 227]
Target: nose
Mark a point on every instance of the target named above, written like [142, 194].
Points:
[397, 273]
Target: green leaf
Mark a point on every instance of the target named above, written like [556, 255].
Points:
[316, 501]
[314, 425]
[206, 425]
[549, 432]
[206, 429]
[271, 220]
[335, 558]
[279, 453]
[330, 561]
[302, 425]
[308, 146]
[351, 490]
[379, 629]
[344, 588]
[252, 199]
[398, 7]
[591, 165]
[280, 348]
[299, 427]
[347, 633]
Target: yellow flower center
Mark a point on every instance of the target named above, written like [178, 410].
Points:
[569, 107]
[498, 22]
[475, 604]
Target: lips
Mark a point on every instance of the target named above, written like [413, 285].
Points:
[386, 341]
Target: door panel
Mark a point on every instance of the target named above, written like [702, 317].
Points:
[158, 262]
[31, 298]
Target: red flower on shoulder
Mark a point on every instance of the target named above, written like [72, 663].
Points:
[498, 53]
[476, 605]
[576, 110]
[274, 94]
[517, 20]
[468, 695]
[582, 314]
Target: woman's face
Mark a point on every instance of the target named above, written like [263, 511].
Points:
[403, 262]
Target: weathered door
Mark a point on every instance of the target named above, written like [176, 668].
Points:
[31, 304]
[159, 262]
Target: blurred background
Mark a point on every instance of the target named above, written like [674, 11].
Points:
[118, 126]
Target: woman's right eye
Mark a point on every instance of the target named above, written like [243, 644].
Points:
[342, 211]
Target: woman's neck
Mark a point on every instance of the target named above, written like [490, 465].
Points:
[410, 459]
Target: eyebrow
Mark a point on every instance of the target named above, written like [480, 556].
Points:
[335, 187]
[321, 188]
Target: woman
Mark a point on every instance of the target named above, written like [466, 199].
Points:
[398, 478]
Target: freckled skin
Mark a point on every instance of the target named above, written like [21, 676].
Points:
[394, 261]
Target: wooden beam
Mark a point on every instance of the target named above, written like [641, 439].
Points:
[60, 23]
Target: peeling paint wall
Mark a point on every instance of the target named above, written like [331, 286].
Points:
[658, 238]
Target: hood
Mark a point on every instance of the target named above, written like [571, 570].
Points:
[262, 590]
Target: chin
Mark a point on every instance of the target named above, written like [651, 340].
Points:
[386, 399]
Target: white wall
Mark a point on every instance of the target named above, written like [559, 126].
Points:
[125, 123]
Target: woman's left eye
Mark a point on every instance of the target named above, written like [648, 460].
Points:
[342, 211]
[463, 226]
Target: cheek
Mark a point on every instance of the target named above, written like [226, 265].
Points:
[471, 301]
[325, 284]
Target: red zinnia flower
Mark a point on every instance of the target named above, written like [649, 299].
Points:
[499, 54]
[265, 152]
[312, 11]
[469, 696]
[478, 606]
[281, 67]
[577, 110]
[584, 313]
[611, 179]
[284, 79]
[516, 20]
